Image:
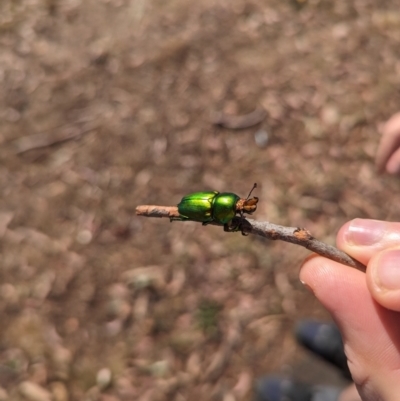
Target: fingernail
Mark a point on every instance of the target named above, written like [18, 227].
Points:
[365, 232]
[387, 272]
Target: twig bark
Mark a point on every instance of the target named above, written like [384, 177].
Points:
[157, 211]
[294, 235]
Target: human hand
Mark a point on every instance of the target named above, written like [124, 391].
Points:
[388, 154]
[366, 307]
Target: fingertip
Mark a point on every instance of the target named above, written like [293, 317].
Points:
[392, 125]
[383, 278]
[357, 238]
[310, 271]
[393, 164]
[319, 274]
[336, 286]
[363, 238]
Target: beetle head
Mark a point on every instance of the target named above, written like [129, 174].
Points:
[250, 205]
[247, 205]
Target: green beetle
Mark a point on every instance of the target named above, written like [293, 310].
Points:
[213, 206]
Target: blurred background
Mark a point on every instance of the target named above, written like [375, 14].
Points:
[108, 104]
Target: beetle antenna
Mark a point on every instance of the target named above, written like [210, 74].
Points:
[252, 189]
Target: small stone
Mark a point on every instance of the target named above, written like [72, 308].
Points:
[84, 237]
[159, 368]
[43, 285]
[340, 31]
[61, 362]
[103, 378]
[185, 341]
[118, 308]
[142, 178]
[119, 291]
[34, 392]
[141, 306]
[113, 327]
[330, 115]
[261, 138]
[144, 277]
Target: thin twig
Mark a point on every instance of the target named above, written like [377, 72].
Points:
[157, 211]
[295, 235]
[300, 236]
[46, 139]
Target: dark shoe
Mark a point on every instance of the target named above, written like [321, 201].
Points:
[325, 340]
[273, 388]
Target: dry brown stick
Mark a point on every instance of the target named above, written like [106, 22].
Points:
[43, 140]
[300, 236]
[294, 235]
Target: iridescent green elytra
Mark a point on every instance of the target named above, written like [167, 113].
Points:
[213, 206]
[208, 206]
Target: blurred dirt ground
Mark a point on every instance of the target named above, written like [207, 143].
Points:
[105, 105]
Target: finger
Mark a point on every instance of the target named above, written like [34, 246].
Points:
[363, 238]
[393, 164]
[383, 278]
[389, 143]
[342, 291]
[370, 332]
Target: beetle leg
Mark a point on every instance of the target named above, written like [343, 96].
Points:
[230, 228]
[239, 226]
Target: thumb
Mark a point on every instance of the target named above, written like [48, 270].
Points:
[363, 238]
[383, 278]
[376, 244]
